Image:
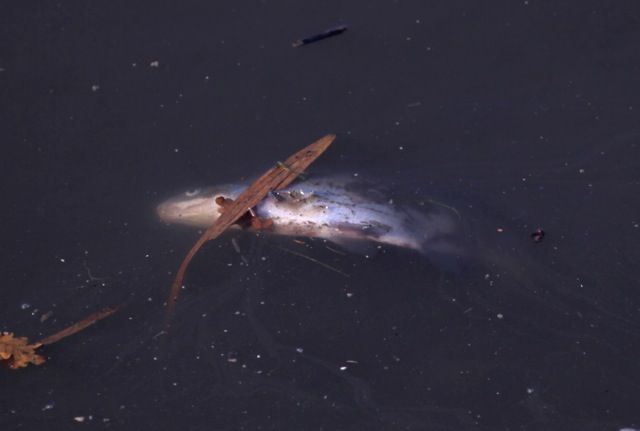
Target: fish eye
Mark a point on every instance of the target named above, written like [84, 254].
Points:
[191, 193]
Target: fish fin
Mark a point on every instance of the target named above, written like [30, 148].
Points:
[439, 236]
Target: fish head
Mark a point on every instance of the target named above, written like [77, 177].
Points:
[197, 207]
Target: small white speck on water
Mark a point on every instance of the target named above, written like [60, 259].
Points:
[25, 306]
[500, 316]
[176, 150]
[299, 350]
[95, 87]
[581, 171]
[62, 260]
[401, 148]
[530, 391]
[343, 368]
[154, 63]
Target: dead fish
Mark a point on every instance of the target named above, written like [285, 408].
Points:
[340, 209]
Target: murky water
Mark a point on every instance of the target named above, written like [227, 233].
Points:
[519, 117]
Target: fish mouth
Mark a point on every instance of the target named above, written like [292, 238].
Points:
[167, 213]
[198, 214]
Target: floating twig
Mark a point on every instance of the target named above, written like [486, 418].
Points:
[320, 36]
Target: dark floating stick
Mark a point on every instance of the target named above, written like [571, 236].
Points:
[317, 37]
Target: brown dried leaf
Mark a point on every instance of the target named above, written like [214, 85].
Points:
[16, 352]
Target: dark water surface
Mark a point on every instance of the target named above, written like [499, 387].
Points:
[521, 115]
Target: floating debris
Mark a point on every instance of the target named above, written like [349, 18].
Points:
[17, 352]
[537, 235]
[320, 36]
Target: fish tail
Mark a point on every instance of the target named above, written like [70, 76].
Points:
[437, 234]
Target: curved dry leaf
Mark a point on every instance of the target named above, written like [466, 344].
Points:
[17, 352]
[278, 177]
